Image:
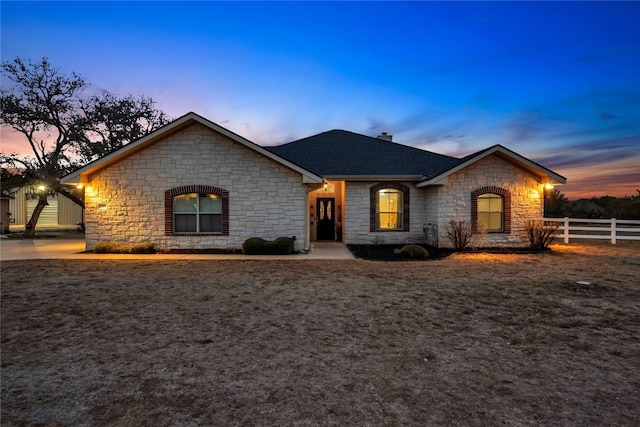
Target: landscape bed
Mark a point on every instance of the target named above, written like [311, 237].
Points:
[473, 339]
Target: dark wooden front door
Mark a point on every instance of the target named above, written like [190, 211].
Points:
[326, 219]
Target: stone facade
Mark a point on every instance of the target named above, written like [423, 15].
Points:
[438, 205]
[454, 199]
[358, 216]
[130, 201]
[125, 202]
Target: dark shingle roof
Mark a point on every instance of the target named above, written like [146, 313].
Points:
[343, 153]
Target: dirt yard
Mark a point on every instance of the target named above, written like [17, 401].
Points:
[472, 339]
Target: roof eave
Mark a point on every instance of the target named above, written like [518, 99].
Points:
[374, 177]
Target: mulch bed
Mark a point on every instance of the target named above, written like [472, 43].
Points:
[390, 252]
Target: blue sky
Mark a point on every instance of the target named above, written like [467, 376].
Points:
[558, 82]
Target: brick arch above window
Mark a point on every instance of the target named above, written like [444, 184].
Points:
[506, 206]
[373, 199]
[198, 189]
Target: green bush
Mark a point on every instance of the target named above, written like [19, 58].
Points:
[414, 252]
[286, 243]
[124, 248]
[258, 246]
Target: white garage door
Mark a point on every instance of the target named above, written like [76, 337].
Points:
[49, 215]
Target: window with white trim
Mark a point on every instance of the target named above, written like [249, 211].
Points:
[491, 212]
[389, 209]
[197, 213]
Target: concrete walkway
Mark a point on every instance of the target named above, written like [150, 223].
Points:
[20, 249]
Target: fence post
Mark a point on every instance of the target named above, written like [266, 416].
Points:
[566, 229]
[613, 231]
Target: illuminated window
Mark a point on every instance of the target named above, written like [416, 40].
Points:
[490, 212]
[389, 209]
[389, 203]
[197, 209]
[197, 213]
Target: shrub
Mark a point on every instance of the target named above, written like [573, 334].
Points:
[463, 234]
[286, 243]
[539, 233]
[459, 233]
[124, 248]
[142, 248]
[414, 252]
[258, 246]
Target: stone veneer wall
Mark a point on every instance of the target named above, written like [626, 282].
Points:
[455, 199]
[125, 202]
[357, 216]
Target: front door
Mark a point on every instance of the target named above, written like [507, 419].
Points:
[326, 219]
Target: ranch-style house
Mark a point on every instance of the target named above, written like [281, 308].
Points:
[193, 184]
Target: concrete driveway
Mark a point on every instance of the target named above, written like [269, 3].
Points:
[20, 249]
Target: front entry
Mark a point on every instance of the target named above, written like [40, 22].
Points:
[326, 219]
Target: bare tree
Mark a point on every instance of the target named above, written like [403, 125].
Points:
[64, 126]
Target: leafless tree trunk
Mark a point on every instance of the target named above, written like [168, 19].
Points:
[30, 228]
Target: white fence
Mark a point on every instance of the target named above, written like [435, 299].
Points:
[610, 229]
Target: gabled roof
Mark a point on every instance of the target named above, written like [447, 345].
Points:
[82, 174]
[342, 154]
[545, 175]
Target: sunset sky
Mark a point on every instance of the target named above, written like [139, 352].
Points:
[558, 82]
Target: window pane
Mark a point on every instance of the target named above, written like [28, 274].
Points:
[495, 221]
[388, 221]
[210, 223]
[496, 204]
[210, 203]
[490, 203]
[483, 220]
[185, 203]
[185, 223]
[389, 200]
[483, 204]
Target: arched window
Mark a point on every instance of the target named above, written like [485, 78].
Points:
[389, 207]
[491, 209]
[490, 212]
[197, 209]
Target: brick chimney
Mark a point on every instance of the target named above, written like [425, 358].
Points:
[385, 136]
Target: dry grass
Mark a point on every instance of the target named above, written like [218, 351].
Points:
[473, 339]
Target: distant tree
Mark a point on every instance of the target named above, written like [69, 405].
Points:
[556, 204]
[113, 122]
[9, 180]
[64, 127]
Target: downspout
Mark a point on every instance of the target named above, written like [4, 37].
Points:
[307, 228]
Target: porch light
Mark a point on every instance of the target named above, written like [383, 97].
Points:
[326, 187]
[41, 188]
[548, 186]
[79, 186]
